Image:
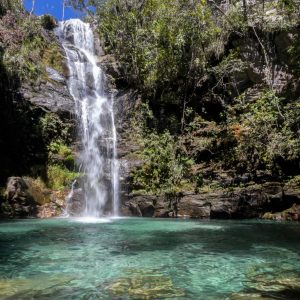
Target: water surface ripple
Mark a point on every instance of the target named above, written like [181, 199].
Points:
[149, 259]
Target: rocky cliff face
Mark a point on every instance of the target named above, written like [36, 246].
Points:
[238, 195]
[35, 110]
[253, 201]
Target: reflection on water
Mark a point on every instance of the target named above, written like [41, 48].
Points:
[149, 259]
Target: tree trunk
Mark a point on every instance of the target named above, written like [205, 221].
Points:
[32, 8]
[63, 10]
[245, 9]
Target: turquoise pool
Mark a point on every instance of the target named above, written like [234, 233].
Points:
[149, 259]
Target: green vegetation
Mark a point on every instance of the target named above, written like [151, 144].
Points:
[61, 166]
[268, 134]
[59, 177]
[48, 22]
[10, 5]
[54, 129]
[27, 49]
[59, 153]
[160, 43]
[224, 80]
[164, 169]
[295, 181]
[38, 189]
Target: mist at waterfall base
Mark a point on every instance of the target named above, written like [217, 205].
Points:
[94, 109]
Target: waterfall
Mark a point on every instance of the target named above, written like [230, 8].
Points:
[94, 108]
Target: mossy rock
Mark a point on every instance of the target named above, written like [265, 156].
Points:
[148, 284]
[269, 278]
[290, 214]
[37, 188]
[54, 58]
[247, 296]
[30, 288]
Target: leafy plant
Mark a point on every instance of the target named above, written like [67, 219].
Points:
[59, 177]
[48, 22]
[266, 135]
[163, 168]
[60, 153]
[54, 129]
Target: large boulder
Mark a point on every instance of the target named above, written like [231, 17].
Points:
[290, 214]
[75, 202]
[25, 198]
[18, 200]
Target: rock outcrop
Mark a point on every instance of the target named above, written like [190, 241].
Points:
[51, 95]
[22, 199]
[249, 202]
[19, 202]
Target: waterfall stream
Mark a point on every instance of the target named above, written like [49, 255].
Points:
[96, 125]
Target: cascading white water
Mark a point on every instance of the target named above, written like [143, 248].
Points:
[94, 109]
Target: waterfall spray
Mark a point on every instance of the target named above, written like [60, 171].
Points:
[95, 114]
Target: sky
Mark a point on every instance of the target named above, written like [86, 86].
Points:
[52, 7]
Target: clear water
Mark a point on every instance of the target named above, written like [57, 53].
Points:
[149, 259]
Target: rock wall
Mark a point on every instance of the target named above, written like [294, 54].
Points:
[253, 201]
[33, 112]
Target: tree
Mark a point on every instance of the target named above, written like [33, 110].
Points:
[32, 7]
[63, 10]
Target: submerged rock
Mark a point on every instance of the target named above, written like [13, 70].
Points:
[144, 285]
[265, 283]
[31, 288]
[272, 281]
[247, 296]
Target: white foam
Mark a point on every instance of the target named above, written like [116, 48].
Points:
[91, 220]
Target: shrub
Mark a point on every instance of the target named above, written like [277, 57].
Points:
[48, 22]
[60, 177]
[60, 153]
[163, 168]
[54, 129]
[267, 133]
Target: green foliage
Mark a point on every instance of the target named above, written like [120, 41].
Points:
[38, 189]
[266, 132]
[54, 58]
[187, 56]
[295, 181]
[48, 22]
[294, 53]
[59, 153]
[160, 43]
[200, 139]
[227, 70]
[163, 168]
[199, 181]
[54, 129]
[23, 46]
[60, 148]
[60, 177]
[10, 5]
[27, 48]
